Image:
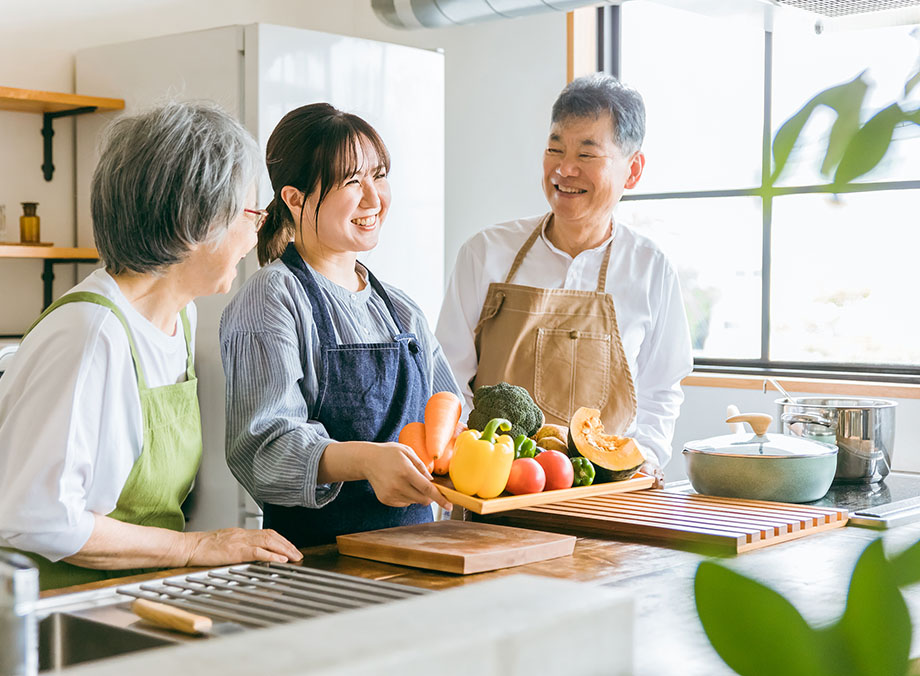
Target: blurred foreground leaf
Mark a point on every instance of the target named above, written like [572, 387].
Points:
[754, 629]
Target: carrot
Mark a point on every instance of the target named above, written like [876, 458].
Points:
[413, 436]
[442, 413]
[442, 464]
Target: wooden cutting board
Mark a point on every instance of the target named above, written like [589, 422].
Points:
[741, 525]
[460, 547]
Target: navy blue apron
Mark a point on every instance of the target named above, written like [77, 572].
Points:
[367, 392]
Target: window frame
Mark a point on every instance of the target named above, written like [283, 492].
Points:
[609, 59]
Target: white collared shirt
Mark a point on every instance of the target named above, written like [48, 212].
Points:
[70, 417]
[646, 296]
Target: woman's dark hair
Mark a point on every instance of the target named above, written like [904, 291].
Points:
[313, 147]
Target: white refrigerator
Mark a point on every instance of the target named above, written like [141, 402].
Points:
[259, 72]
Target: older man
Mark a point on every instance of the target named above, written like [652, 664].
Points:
[573, 305]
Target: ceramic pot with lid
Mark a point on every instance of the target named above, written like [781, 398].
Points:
[761, 466]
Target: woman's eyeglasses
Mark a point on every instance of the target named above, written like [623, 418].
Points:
[260, 216]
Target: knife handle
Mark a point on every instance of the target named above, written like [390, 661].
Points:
[170, 617]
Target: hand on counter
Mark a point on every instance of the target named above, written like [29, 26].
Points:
[235, 545]
[655, 472]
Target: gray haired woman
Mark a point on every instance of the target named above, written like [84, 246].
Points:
[100, 433]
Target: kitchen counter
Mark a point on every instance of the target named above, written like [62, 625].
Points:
[812, 572]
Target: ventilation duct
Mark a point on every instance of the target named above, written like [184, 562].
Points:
[846, 7]
[443, 13]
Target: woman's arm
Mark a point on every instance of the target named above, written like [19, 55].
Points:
[115, 545]
[396, 474]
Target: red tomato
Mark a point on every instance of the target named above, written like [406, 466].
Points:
[526, 477]
[558, 469]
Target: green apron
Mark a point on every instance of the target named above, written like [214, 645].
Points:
[162, 476]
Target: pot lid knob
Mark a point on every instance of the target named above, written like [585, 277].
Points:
[759, 422]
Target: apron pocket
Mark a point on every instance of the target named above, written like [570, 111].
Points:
[572, 370]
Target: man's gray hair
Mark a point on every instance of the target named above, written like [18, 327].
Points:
[595, 95]
[169, 178]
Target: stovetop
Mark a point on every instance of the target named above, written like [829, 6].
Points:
[854, 497]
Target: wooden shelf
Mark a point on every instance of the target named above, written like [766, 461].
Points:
[34, 101]
[48, 252]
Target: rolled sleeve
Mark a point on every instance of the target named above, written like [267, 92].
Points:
[273, 448]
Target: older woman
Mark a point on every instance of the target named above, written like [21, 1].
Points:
[100, 434]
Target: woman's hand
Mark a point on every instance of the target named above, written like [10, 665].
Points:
[235, 545]
[398, 477]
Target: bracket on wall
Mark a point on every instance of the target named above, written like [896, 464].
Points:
[48, 134]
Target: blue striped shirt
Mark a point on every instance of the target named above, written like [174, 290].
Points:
[271, 352]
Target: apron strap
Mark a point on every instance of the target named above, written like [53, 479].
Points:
[378, 287]
[602, 275]
[99, 299]
[522, 252]
[187, 330]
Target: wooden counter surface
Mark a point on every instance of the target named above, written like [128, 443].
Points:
[812, 572]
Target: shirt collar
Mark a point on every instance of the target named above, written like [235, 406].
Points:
[599, 248]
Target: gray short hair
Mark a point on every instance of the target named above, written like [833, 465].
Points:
[595, 95]
[167, 179]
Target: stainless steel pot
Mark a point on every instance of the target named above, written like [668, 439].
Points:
[760, 467]
[862, 429]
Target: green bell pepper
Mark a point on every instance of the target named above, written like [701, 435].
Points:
[524, 447]
[584, 472]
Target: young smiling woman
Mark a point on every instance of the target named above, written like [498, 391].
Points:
[325, 364]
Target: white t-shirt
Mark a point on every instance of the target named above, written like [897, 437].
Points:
[646, 297]
[70, 417]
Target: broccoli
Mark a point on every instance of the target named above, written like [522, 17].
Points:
[505, 401]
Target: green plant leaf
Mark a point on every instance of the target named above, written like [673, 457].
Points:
[754, 629]
[905, 566]
[873, 635]
[912, 116]
[869, 145]
[846, 99]
[911, 83]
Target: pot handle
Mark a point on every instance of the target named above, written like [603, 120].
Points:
[759, 422]
[813, 418]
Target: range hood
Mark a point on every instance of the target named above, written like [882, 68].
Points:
[443, 13]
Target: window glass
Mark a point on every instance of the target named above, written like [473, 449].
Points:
[702, 81]
[844, 284]
[805, 63]
[715, 244]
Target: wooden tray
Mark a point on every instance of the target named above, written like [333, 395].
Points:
[506, 502]
[741, 525]
[460, 547]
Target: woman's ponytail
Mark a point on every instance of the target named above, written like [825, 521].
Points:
[275, 234]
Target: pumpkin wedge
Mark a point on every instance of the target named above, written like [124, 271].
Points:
[614, 458]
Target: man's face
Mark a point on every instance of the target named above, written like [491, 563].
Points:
[585, 172]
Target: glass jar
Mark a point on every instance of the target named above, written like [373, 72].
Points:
[29, 224]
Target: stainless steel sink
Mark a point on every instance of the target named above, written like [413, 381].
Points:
[65, 639]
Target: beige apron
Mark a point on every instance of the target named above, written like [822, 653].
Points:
[562, 345]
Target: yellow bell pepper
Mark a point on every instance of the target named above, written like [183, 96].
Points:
[482, 463]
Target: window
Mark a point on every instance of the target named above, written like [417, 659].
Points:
[789, 279]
